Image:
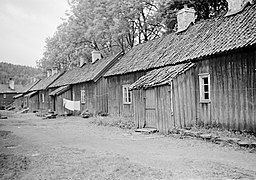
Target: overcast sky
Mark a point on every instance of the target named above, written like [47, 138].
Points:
[24, 26]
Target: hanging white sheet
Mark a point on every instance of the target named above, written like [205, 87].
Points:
[71, 105]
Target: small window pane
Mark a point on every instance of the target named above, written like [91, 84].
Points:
[205, 80]
[206, 96]
[206, 88]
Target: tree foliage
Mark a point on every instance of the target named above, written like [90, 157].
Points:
[113, 25]
[20, 74]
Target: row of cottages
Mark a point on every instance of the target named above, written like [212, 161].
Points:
[85, 84]
[7, 92]
[204, 74]
[21, 100]
[38, 96]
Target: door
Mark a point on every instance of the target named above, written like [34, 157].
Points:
[150, 108]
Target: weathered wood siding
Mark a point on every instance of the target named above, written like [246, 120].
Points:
[154, 102]
[233, 86]
[115, 94]
[233, 95]
[44, 106]
[33, 103]
[8, 100]
[96, 96]
[59, 108]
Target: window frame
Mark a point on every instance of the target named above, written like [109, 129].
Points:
[82, 96]
[43, 98]
[4, 96]
[202, 90]
[127, 94]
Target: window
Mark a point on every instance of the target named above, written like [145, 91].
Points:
[43, 98]
[4, 96]
[82, 96]
[127, 95]
[204, 83]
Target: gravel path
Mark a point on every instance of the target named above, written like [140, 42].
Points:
[73, 148]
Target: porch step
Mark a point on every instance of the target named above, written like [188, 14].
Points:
[146, 130]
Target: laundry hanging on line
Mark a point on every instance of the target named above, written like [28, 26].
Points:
[71, 105]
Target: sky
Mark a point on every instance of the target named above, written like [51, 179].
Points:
[24, 26]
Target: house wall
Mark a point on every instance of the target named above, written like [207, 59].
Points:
[8, 100]
[96, 96]
[19, 103]
[44, 106]
[34, 103]
[162, 112]
[233, 95]
[115, 94]
[59, 108]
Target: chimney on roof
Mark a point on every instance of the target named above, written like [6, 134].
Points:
[11, 83]
[48, 72]
[81, 61]
[236, 6]
[185, 17]
[96, 55]
[54, 70]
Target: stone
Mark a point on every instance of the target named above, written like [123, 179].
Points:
[244, 143]
[206, 136]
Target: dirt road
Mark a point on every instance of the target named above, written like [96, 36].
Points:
[73, 148]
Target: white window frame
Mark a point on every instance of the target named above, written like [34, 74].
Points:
[82, 96]
[202, 86]
[4, 96]
[127, 94]
[43, 98]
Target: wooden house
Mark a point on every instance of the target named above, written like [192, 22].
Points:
[202, 75]
[7, 92]
[85, 84]
[21, 100]
[38, 96]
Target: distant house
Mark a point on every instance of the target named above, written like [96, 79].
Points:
[39, 94]
[203, 75]
[7, 92]
[21, 100]
[85, 84]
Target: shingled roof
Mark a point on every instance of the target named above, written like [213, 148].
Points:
[4, 88]
[202, 39]
[46, 82]
[161, 76]
[88, 72]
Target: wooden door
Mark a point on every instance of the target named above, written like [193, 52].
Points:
[150, 108]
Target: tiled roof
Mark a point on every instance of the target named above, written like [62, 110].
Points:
[160, 76]
[46, 82]
[202, 39]
[4, 88]
[60, 90]
[88, 72]
[29, 86]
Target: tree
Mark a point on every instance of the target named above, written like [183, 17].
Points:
[205, 9]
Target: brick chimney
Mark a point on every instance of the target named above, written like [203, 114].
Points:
[81, 61]
[54, 70]
[96, 55]
[236, 6]
[185, 17]
[11, 83]
[48, 72]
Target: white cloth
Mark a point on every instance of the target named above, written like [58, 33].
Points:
[71, 105]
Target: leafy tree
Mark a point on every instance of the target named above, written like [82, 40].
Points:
[113, 25]
[205, 9]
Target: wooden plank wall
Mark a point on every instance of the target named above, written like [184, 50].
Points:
[60, 110]
[101, 104]
[34, 103]
[90, 98]
[233, 81]
[115, 95]
[185, 99]
[139, 108]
